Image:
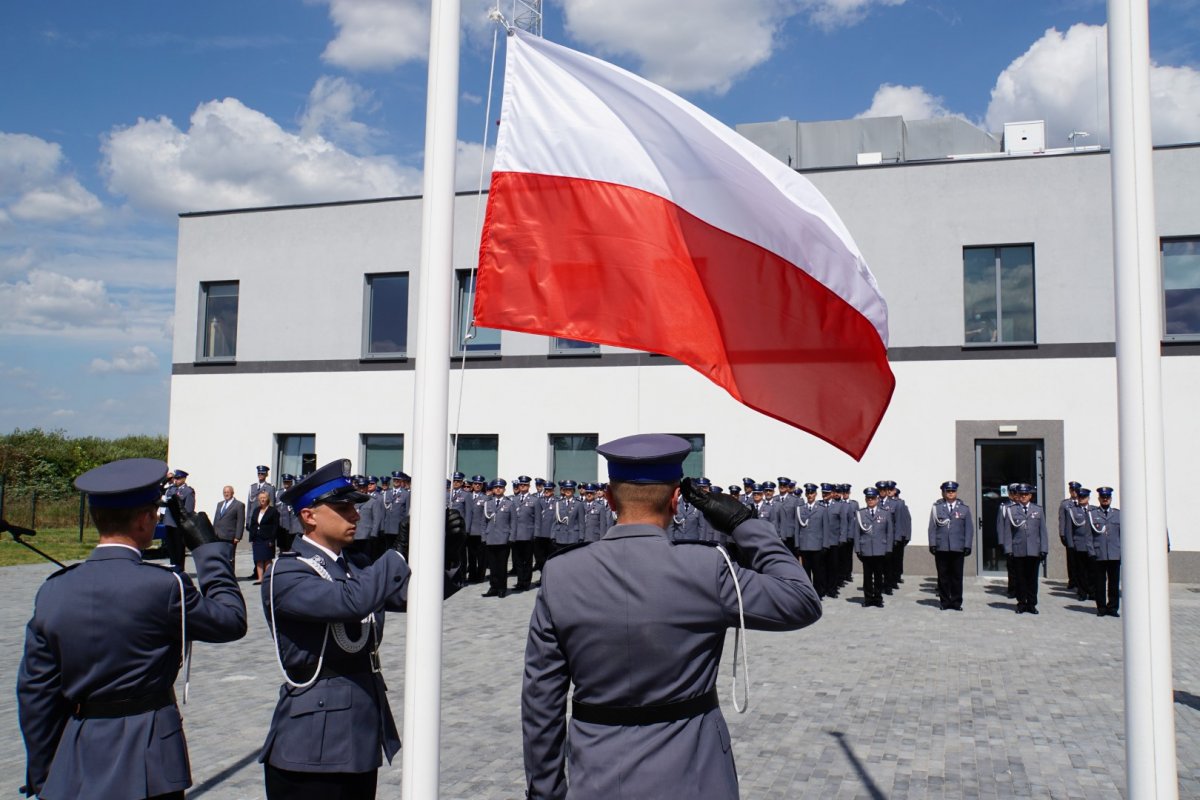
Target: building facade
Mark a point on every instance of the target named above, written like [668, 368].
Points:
[293, 328]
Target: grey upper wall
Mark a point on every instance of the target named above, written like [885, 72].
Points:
[304, 267]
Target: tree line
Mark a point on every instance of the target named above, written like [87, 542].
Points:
[45, 464]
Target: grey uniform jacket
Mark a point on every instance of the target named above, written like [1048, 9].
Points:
[528, 516]
[228, 523]
[873, 535]
[1025, 531]
[565, 524]
[810, 523]
[951, 530]
[342, 723]
[594, 519]
[1079, 531]
[370, 520]
[393, 511]
[107, 629]
[474, 516]
[664, 645]
[901, 519]
[187, 499]
[1105, 538]
[1064, 521]
[785, 510]
[498, 518]
[685, 524]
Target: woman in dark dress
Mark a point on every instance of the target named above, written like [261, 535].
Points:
[264, 527]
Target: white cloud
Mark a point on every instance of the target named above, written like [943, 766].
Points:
[1063, 79]
[910, 102]
[135, 360]
[332, 103]
[35, 184]
[51, 301]
[704, 44]
[232, 156]
[377, 34]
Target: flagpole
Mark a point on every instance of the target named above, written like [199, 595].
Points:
[423, 649]
[1149, 712]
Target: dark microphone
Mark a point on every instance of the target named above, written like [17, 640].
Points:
[15, 530]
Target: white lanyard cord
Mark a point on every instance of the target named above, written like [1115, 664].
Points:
[738, 634]
[185, 647]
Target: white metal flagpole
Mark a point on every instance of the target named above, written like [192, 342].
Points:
[423, 645]
[1149, 711]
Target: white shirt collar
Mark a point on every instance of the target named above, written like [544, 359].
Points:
[322, 548]
[118, 544]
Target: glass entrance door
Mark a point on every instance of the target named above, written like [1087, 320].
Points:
[997, 464]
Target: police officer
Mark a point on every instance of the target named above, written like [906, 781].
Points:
[595, 515]
[103, 648]
[1104, 524]
[527, 511]
[367, 535]
[1079, 535]
[325, 608]
[890, 501]
[1002, 533]
[811, 518]
[261, 485]
[645, 718]
[685, 523]
[1025, 533]
[476, 561]
[187, 500]
[1064, 534]
[565, 528]
[498, 519]
[543, 544]
[847, 509]
[951, 539]
[873, 543]
[289, 523]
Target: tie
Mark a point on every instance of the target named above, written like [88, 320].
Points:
[341, 562]
[224, 508]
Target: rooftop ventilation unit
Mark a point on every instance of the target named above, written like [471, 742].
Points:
[1022, 138]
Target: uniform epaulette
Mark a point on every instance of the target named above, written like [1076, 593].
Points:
[704, 542]
[567, 549]
[62, 571]
[157, 566]
[289, 554]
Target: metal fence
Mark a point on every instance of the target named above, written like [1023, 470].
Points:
[31, 510]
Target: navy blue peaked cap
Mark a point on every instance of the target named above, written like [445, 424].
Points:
[329, 484]
[646, 458]
[128, 483]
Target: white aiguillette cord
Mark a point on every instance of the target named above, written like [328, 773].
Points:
[738, 634]
[185, 647]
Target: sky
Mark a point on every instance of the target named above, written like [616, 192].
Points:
[116, 117]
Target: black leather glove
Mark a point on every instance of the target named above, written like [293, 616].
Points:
[933, 549]
[195, 528]
[967, 552]
[722, 511]
[456, 537]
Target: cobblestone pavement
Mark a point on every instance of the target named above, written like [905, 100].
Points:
[901, 702]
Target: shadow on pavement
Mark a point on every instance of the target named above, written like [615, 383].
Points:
[223, 775]
[1187, 699]
[867, 783]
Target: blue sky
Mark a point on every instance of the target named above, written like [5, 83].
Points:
[116, 117]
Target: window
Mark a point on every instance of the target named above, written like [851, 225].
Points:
[998, 295]
[485, 341]
[573, 456]
[382, 453]
[1181, 287]
[218, 320]
[386, 316]
[693, 465]
[477, 454]
[562, 346]
[297, 454]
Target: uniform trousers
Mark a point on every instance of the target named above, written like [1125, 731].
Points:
[1106, 584]
[1083, 574]
[173, 541]
[950, 578]
[847, 561]
[873, 577]
[811, 561]
[522, 557]
[895, 565]
[283, 784]
[497, 564]
[1073, 581]
[1025, 575]
[475, 558]
[542, 547]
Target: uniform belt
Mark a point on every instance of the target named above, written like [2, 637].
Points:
[111, 709]
[644, 715]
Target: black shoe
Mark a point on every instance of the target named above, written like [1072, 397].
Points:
[503, 593]
[1031, 610]
[490, 593]
[1114, 613]
[887, 591]
[834, 594]
[1100, 612]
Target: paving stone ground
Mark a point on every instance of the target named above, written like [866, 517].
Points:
[901, 702]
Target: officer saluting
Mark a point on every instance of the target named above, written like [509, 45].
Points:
[98, 709]
[325, 609]
[644, 678]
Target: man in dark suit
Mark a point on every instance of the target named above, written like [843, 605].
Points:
[646, 721]
[229, 520]
[325, 607]
[103, 648]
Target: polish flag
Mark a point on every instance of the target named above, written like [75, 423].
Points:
[621, 214]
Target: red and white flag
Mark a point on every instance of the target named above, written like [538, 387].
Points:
[621, 214]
